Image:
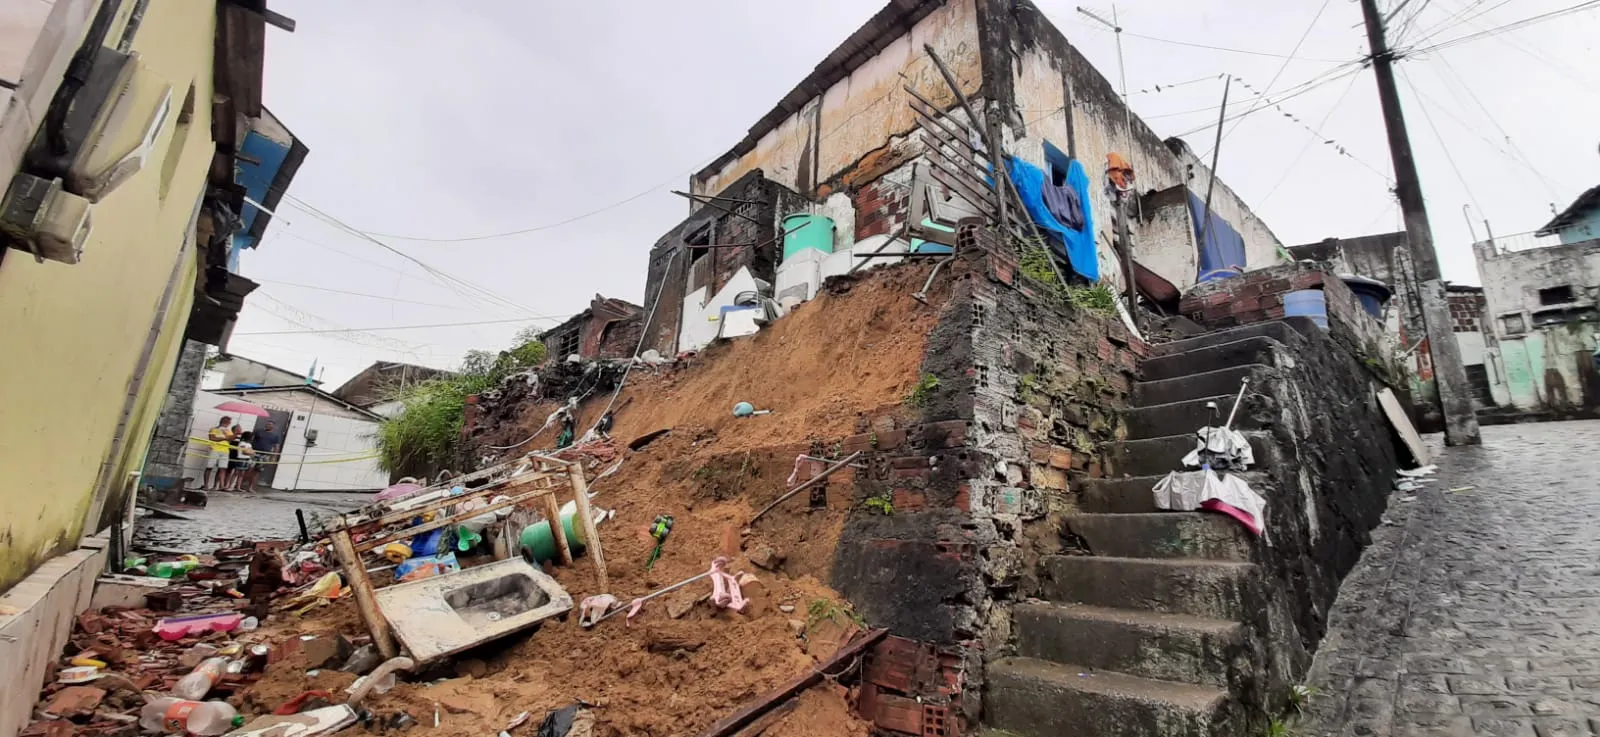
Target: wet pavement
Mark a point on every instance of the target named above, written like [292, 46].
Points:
[258, 515]
[1476, 611]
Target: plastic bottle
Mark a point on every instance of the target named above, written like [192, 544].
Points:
[199, 681]
[171, 715]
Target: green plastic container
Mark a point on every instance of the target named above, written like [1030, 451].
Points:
[818, 234]
[537, 541]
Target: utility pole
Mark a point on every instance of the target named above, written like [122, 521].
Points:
[1450, 376]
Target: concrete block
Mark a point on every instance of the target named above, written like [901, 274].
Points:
[1211, 358]
[1164, 535]
[1195, 386]
[1201, 588]
[1135, 494]
[1171, 647]
[129, 591]
[1034, 697]
[1157, 456]
[1188, 416]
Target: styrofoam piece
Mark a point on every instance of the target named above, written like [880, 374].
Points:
[738, 322]
[798, 278]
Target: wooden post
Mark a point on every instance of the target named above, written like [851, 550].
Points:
[580, 493]
[552, 512]
[366, 599]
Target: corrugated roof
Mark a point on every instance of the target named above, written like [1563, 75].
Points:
[1586, 202]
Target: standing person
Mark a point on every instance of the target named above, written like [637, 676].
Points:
[234, 469]
[268, 444]
[244, 468]
[217, 459]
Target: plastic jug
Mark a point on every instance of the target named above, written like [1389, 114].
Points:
[169, 715]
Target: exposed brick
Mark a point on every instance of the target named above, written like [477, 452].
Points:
[1307, 280]
[908, 462]
[1045, 477]
[891, 440]
[1060, 458]
[906, 500]
[1039, 453]
[912, 473]
[1276, 286]
[75, 701]
[948, 433]
[1246, 304]
[963, 500]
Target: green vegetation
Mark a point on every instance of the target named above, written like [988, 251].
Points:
[1278, 728]
[923, 391]
[1025, 387]
[425, 435]
[822, 609]
[1035, 264]
[882, 504]
[1300, 696]
[1095, 298]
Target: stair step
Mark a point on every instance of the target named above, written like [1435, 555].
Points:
[1210, 358]
[1136, 494]
[1280, 330]
[1042, 699]
[1157, 456]
[1162, 534]
[1187, 416]
[1194, 386]
[1168, 647]
[1203, 588]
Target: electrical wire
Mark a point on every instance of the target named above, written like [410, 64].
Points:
[1474, 131]
[1194, 45]
[1440, 139]
[275, 282]
[1507, 28]
[1532, 53]
[531, 318]
[1515, 150]
[1316, 136]
[1275, 77]
[1277, 103]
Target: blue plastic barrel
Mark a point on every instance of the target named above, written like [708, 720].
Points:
[1310, 303]
[1371, 293]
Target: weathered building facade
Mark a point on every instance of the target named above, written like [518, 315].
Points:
[845, 147]
[1541, 320]
[609, 328]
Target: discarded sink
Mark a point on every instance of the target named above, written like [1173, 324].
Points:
[444, 615]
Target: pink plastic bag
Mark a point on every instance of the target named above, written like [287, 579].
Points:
[177, 628]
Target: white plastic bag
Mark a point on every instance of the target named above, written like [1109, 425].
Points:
[1230, 448]
[1182, 491]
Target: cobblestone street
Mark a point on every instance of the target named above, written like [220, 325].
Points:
[1476, 611]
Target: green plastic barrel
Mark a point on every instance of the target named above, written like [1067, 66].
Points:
[817, 233]
[537, 542]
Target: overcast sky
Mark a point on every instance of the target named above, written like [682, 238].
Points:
[505, 115]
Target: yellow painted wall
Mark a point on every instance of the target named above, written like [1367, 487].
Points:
[73, 335]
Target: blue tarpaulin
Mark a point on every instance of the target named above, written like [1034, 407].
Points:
[1079, 243]
[1221, 247]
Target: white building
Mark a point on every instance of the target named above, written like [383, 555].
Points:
[328, 444]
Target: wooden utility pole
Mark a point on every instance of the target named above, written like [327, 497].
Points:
[1450, 376]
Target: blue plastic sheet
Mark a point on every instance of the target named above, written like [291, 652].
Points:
[1221, 247]
[1079, 243]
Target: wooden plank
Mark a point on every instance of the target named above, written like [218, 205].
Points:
[380, 541]
[747, 715]
[940, 116]
[961, 135]
[962, 152]
[1402, 425]
[552, 512]
[580, 494]
[355, 574]
[404, 514]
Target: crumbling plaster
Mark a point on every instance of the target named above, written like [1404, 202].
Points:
[861, 112]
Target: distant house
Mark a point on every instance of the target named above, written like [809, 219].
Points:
[373, 385]
[230, 371]
[329, 444]
[610, 328]
[1579, 222]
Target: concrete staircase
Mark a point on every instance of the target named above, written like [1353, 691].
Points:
[1143, 637]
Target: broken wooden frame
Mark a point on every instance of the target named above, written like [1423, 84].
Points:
[748, 715]
[543, 471]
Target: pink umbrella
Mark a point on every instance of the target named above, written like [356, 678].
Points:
[402, 489]
[243, 408]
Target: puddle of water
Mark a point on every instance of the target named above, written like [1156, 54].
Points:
[242, 515]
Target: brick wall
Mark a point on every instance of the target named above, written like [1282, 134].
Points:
[620, 338]
[1466, 311]
[881, 208]
[1027, 405]
[1257, 296]
[171, 439]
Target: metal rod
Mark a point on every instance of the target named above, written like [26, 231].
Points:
[305, 534]
[806, 485]
[1216, 153]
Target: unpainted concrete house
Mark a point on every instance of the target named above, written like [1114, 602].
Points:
[843, 152]
[1540, 326]
[1024, 537]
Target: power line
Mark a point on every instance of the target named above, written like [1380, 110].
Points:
[1507, 28]
[530, 318]
[453, 282]
[1506, 136]
[359, 294]
[1511, 41]
[525, 231]
[1471, 129]
[1210, 47]
[1276, 104]
[1276, 76]
[1316, 136]
[1438, 137]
